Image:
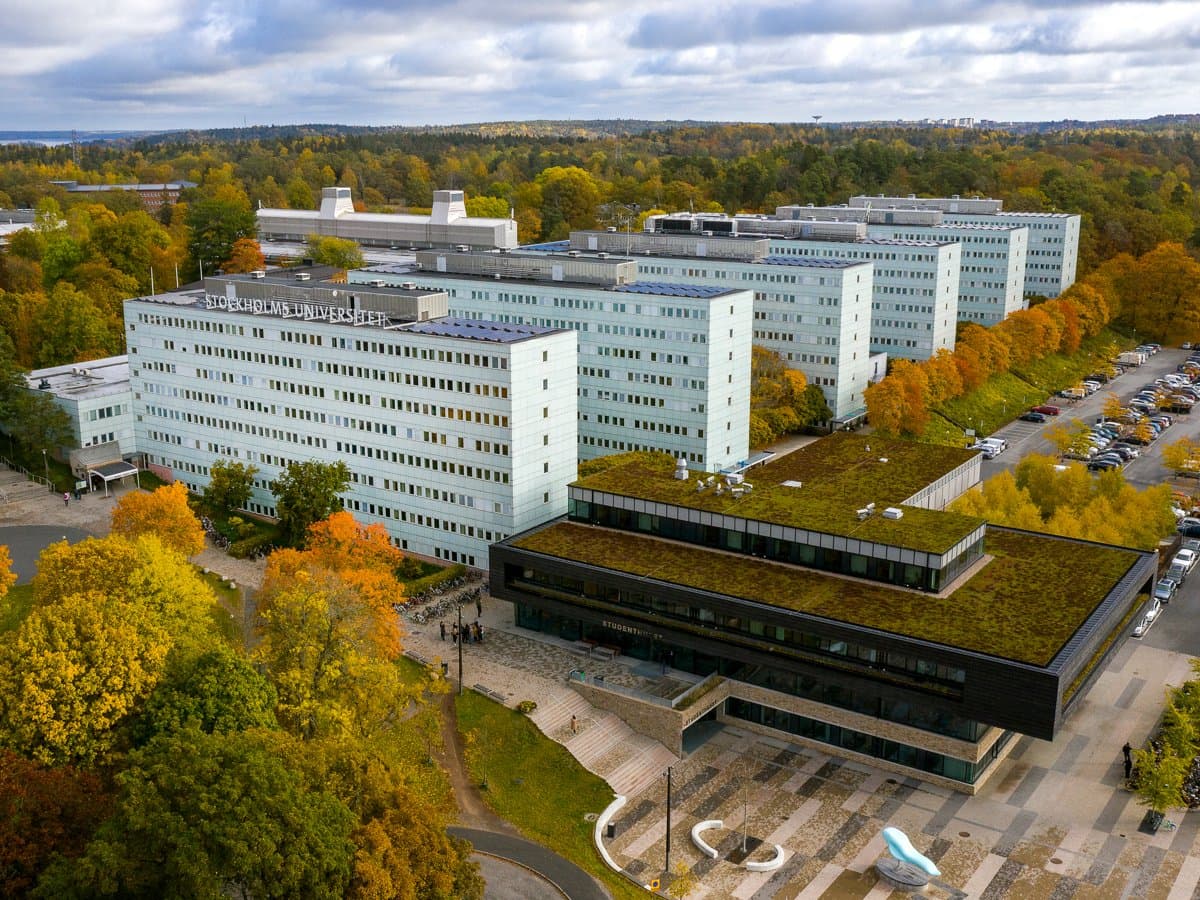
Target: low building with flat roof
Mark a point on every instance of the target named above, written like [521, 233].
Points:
[154, 196]
[448, 225]
[97, 397]
[829, 599]
[456, 432]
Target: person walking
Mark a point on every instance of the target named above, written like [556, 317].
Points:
[66, 499]
[479, 606]
[442, 628]
[454, 633]
[1127, 751]
[574, 725]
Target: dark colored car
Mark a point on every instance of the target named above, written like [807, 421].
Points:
[1165, 589]
[1189, 530]
[1032, 417]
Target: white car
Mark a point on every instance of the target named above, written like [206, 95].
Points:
[1143, 626]
[1187, 558]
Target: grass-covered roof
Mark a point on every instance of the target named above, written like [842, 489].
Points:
[1023, 605]
[839, 474]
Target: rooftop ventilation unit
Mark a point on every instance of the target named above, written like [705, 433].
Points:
[258, 273]
[378, 282]
[303, 276]
[409, 285]
[734, 478]
[893, 512]
[681, 469]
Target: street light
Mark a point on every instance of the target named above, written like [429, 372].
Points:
[46, 466]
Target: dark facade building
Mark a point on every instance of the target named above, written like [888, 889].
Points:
[833, 599]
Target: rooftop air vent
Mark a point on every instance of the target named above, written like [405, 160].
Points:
[409, 285]
[572, 253]
[681, 469]
[378, 282]
[893, 512]
[303, 276]
[258, 273]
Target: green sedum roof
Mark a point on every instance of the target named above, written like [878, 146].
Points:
[839, 474]
[1024, 605]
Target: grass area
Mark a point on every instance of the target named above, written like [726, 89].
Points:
[818, 487]
[1023, 605]
[228, 622]
[1003, 397]
[15, 606]
[537, 785]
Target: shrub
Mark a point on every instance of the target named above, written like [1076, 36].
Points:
[526, 706]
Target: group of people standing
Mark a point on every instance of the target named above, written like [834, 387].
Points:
[472, 632]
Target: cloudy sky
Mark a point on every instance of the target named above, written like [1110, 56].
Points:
[112, 64]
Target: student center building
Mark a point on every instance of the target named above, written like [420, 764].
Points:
[829, 598]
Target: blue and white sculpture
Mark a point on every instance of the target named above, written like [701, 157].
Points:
[907, 865]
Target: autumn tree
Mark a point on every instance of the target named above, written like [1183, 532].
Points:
[1182, 455]
[72, 328]
[163, 512]
[202, 815]
[45, 814]
[216, 219]
[341, 253]
[307, 492]
[1113, 407]
[230, 485]
[244, 256]
[75, 670]
[7, 576]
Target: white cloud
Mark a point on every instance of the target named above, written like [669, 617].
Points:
[177, 63]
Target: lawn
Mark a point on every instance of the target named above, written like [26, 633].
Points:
[537, 785]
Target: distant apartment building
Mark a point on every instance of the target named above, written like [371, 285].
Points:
[662, 366]
[1053, 245]
[813, 312]
[914, 297]
[154, 196]
[457, 432]
[448, 225]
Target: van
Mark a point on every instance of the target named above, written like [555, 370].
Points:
[1090, 387]
[1074, 393]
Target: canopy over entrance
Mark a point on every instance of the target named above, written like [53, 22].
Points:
[113, 471]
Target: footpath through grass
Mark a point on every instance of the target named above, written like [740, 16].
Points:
[1003, 397]
[537, 785]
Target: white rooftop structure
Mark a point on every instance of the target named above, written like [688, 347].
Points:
[96, 395]
[448, 224]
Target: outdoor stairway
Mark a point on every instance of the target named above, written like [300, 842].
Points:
[605, 745]
[14, 487]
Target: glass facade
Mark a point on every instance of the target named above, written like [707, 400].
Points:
[830, 690]
[869, 745]
[827, 559]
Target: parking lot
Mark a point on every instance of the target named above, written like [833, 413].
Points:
[1178, 628]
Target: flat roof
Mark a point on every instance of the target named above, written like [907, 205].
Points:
[819, 487]
[880, 242]
[814, 262]
[1024, 604]
[85, 380]
[479, 330]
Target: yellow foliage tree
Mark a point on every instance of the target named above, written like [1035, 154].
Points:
[74, 671]
[7, 576]
[163, 512]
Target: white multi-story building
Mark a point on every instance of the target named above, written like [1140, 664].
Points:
[662, 366]
[1053, 245]
[813, 312]
[448, 225]
[97, 398]
[915, 284]
[456, 432]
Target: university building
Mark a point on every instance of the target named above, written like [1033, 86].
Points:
[829, 599]
[662, 366]
[448, 224]
[1053, 244]
[457, 432]
[915, 284]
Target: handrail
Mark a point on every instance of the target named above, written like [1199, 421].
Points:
[17, 468]
[600, 682]
[697, 689]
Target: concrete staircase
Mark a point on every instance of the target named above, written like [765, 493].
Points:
[15, 487]
[603, 744]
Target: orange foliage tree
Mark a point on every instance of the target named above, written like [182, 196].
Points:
[164, 513]
[245, 256]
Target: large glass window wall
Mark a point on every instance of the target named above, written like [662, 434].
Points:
[920, 672]
[827, 690]
[869, 745]
[823, 558]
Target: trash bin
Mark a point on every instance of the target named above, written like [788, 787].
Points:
[610, 831]
[445, 669]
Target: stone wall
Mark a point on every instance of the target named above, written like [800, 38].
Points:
[662, 723]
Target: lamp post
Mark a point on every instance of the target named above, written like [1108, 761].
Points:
[46, 467]
[667, 864]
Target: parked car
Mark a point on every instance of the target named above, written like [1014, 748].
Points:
[1186, 345]
[1178, 571]
[1165, 590]
[1192, 530]
[1126, 453]
[1032, 416]
[1047, 410]
[1101, 465]
[1187, 557]
[1192, 544]
[1143, 625]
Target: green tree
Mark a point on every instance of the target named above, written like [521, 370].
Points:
[35, 420]
[1160, 779]
[306, 493]
[212, 816]
[217, 220]
[332, 251]
[570, 197]
[130, 245]
[218, 692]
[299, 194]
[229, 486]
[73, 329]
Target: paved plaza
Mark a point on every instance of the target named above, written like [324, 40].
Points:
[1053, 822]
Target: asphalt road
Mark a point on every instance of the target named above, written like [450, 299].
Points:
[1178, 627]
